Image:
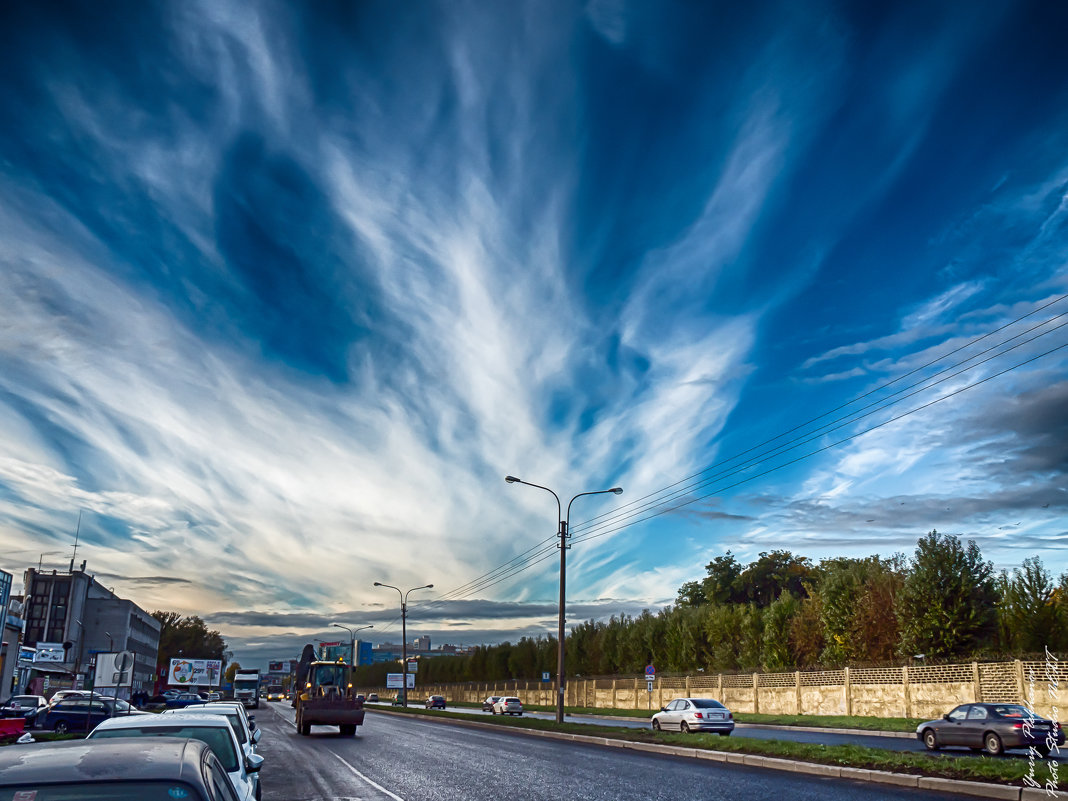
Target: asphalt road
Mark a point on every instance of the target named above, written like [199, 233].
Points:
[757, 732]
[414, 760]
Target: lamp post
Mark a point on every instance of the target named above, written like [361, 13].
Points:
[563, 534]
[111, 642]
[404, 630]
[352, 639]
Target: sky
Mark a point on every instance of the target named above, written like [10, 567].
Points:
[287, 289]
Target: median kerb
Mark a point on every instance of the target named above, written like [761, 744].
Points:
[980, 789]
[900, 779]
[817, 769]
[1034, 794]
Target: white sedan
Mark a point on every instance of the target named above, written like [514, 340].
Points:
[214, 730]
[695, 714]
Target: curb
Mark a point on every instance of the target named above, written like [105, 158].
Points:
[953, 786]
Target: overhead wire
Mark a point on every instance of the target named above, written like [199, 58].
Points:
[527, 559]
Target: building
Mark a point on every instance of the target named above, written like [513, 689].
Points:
[11, 628]
[70, 618]
[421, 644]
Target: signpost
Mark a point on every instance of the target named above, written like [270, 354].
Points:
[650, 677]
[545, 676]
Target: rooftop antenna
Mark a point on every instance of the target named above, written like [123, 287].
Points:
[77, 531]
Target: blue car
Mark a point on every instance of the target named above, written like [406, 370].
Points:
[83, 714]
[183, 700]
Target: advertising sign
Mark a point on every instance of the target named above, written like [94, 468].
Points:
[277, 667]
[201, 672]
[395, 681]
[49, 652]
[413, 666]
[114, 670]
[27, 654]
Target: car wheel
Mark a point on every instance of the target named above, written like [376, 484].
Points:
[259, 790]
[1043, 750]
[992, 743]
[684, 727]
[930, 740]
[656, 725]
[61, 727]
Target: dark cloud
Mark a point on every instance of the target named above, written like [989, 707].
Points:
[144, 581]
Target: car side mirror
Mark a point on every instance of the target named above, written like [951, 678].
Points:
[253, 763]
[256, 736]
[946, 716]
[663, 709]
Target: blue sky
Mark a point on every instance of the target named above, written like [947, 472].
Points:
[287, 289]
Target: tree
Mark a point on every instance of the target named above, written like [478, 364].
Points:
[772, 574]
[720, 586]
[691, 594]
[776, 645]
[947, 600]
[1029, 617]
[188, 637]
[231, 671]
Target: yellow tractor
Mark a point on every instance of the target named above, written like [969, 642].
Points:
[326, 698]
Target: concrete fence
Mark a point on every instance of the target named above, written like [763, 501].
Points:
[911, 692]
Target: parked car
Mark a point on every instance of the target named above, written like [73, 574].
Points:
[991, 727]
[28, 707]
[487, 705]
[183, 700]
[214, 730]
[508, 705]
[250, 720]
[246, 738]
[212, 696]
[59, 695]
[372, 698]
[695, 714]
[71, 713]
[435, 702]
[167, 768]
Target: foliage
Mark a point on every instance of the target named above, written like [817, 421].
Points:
[189, 638]
[231, 671]
[948, 598]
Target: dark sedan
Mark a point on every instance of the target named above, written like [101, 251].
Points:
[28, 707]
[487, 705]
[991, 727]
[164, 768]
[435, 702]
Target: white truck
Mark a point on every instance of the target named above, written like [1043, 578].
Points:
[247, 688]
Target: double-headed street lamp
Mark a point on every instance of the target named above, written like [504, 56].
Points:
[352, 639]
[563, 532]
[404, 630]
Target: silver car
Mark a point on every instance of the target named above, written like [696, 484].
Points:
[695, 714]
[508, 705]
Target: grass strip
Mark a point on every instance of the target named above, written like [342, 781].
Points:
[822, 721]
[999, 770]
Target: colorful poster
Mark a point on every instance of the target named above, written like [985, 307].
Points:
[198, 672]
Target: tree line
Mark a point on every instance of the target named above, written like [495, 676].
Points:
[783, 612]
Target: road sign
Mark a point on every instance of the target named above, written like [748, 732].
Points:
[650, 670]
[649, 686]
[545, 676]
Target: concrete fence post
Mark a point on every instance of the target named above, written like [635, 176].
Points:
[756, 693]
[977, 691]
[719, 688]
[797, 692]
[687, 685]
[848, 694]
[905, 690]
[1021, 695]
[615, 685]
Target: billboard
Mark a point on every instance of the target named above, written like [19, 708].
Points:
[277, 667]
[395, 681]
[332, 651]
[201, 672]
[49, 652]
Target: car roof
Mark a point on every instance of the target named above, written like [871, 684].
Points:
[130, 758]
[172, 719]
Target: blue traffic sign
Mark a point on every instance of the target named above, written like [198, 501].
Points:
[650, 670]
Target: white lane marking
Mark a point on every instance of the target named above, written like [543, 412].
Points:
[369, 780]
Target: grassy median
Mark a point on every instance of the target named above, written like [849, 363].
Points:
[823, 721]
[1001, 770]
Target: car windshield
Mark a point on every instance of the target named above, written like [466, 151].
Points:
[706, 703]
[24, 700]
[217, 738]
[331, 674]
[121, 706]
[1014, 711]
[114, 790]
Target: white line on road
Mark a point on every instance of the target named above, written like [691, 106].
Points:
[369, 780]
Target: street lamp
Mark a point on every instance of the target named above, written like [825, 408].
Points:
[111, 642]
[404, 630]
[563, 533]
[352, 639]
